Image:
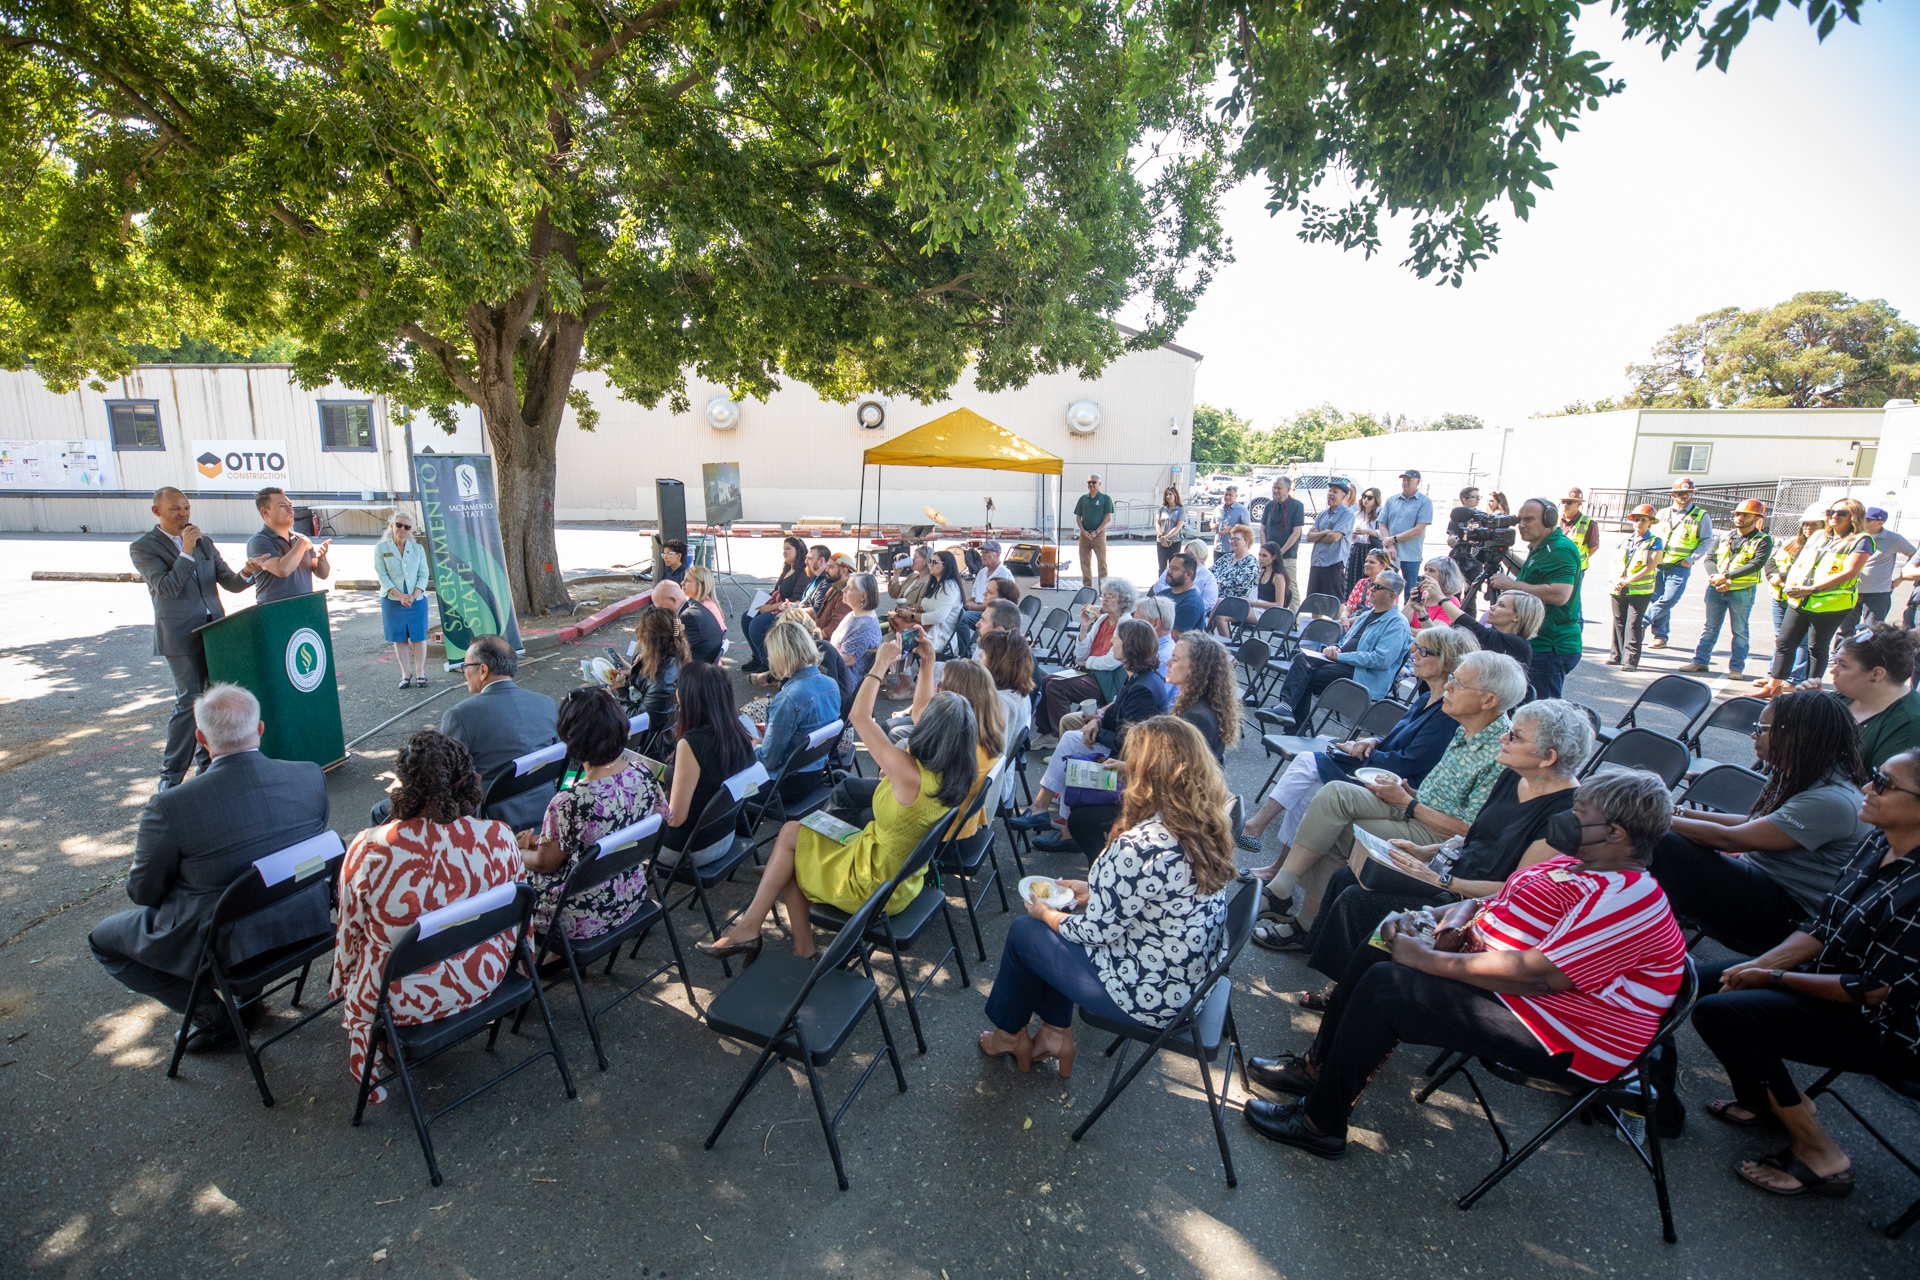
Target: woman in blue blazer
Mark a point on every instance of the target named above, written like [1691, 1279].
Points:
[1408, 751]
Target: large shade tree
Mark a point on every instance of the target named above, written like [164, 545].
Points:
[451, 200]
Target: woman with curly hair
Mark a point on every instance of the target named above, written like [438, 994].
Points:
[1155, 908]
[1202, 670]
[432, 853]
[647, 685]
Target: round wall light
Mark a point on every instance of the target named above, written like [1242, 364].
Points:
[722, 414]
[870, 413]
[1083, 417]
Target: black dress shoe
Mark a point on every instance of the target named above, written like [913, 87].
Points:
[1287, 1123]
[210, 1036]
[1284, 1074]
[1056, 844]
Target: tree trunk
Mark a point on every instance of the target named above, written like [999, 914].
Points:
[525, 439]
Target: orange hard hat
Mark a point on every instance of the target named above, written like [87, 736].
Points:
[1751, 507]
[1644, 510]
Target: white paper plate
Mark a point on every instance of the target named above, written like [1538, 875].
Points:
[1377, 777]
[1062, 896]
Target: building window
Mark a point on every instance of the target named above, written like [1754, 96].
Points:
[1691, 457]
[134, 425]
[346, 426]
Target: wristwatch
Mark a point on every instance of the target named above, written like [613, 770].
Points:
[1446, 878]
[1777, 979]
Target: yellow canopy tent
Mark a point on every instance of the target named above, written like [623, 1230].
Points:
[959, 439]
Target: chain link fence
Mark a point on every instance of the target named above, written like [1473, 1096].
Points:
[1785, 499]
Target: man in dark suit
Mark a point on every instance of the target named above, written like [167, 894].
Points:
[184, 572]
[500, 723]
[199, 837]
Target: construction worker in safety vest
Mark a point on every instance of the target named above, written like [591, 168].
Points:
[1632, 589]
[1581, 529]
[1686, 533]
[1739, 562]
[1822, 587]
[1779, 565]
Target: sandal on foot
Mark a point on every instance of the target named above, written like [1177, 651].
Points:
[1279, 935]
[1020, 1048]
[1718, 1109]
[1837, 1187]
[1250, 843]
[1314, 1000]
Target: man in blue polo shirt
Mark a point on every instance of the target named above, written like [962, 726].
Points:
[1405, 516]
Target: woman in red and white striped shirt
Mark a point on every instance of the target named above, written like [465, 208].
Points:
[1565, 972]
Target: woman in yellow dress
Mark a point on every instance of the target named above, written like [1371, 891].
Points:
[973, 682]
[921, 783]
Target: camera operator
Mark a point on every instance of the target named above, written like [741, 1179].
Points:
[1552, 573]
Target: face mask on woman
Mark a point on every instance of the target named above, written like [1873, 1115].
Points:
[1565, 833]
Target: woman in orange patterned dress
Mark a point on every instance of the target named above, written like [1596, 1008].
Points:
[431, 854]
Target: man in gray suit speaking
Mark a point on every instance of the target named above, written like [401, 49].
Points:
[184, 573]
[195, 840]
[500, 723]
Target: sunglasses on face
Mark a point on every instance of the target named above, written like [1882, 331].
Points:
[407, 527]
[1879, 783]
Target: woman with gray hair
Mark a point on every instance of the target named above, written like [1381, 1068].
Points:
[1485, 686]
[1542, 754]
[1095, 651]
[400, 562]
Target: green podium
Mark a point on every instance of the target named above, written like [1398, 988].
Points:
[282, 653]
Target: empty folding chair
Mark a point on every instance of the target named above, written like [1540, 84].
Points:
[619, 853]
[719, 822]
[1629, 1090]
[1197, 1029]
[1321, 605]
[1273, 624]
[969, 857]
[1681, 694]
[899, 931]
[1725, 788]
[537, 770]
[1252, 658]
[1908, 1090]
[1344, 703]
[804, 1011]
[1047, 638]
[1017, 763]
[313, 864]
[432, 940]
[1735, 715]
[1642, 749]
[1029, 613]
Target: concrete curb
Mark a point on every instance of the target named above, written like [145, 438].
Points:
[72, 575]
[589, 624]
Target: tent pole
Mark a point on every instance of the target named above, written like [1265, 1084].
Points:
[861, 516]
[1059, 509]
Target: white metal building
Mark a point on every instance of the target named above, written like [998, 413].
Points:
[220, 432]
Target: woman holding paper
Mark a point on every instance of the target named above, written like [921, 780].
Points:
[612, 794]
[922, 783]
[710, 746]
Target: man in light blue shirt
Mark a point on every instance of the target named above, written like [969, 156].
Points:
[1405, 516]
[1232, 512]
[1331, 536]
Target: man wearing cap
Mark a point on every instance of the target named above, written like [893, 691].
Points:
[1739, 562]
[1281, 524]
[1091, 516]
[990, 568]
[1890, 551]
[1232, 512]
[1686, 533]
[1633, 587]
[1331, 536]
[1581, 529]
[833, 605]
[1405, 516]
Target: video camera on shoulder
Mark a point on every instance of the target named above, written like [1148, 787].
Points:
[1482, 528]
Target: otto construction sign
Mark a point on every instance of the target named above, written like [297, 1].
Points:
[239, 464]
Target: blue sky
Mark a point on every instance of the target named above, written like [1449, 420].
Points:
[1797, 169]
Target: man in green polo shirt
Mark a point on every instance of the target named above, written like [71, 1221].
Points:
[1092, 514]
[1552, 572]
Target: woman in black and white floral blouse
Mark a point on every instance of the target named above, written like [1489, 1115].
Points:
[1155, 902]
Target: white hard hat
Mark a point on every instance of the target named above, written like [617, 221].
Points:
[1816, 513]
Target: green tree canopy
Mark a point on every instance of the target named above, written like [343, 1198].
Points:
[451, 200]
[1220, 435]
[1457, 422]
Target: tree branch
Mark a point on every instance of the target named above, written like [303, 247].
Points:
[450, 363]
[641, 23]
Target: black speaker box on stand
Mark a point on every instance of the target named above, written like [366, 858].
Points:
[670, 500]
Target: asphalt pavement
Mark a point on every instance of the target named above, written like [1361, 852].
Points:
[109, 1168]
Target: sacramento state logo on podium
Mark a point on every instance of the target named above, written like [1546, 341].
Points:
[306, 660]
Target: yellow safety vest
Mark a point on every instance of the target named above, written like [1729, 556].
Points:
[1816, 563]
[1578, 537]
[1680, 534]
[1635, 554]
[1731, 548]
[1782, 565]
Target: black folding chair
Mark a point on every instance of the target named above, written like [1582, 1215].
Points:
[1272, 625]
[1321, 605]
[1085, 595]
[773, 806]
[1029, 612]
[1313, 637]
[1198, 1029]
[720, 820]
[641, 734]
[1681, 694]
[1642, 749]
[270, 881]
[1376, 721]
[1725, 788]
[1232, 608]
[1909, 1091]
[532, 772]
[966, 857]
[804, 1010]
[433, 939]
[1735, 715]
[1629, 1090]
[617, 854]
[898, 932]
[1252, 657]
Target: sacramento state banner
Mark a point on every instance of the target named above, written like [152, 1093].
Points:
[469, 561]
